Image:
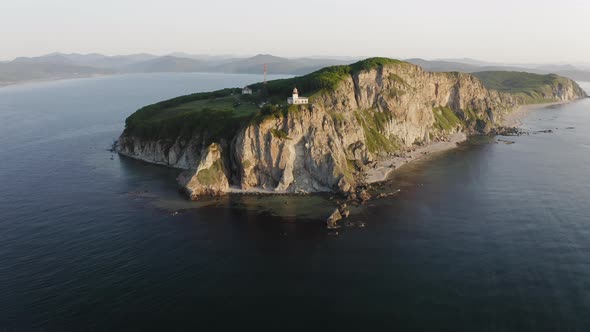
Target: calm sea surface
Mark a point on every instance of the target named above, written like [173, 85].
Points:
[488, 237]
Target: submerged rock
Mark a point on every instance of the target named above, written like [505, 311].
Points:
[508, 131]
[384, 195]
[506, 141]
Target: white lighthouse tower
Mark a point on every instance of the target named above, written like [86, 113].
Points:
[295, 99]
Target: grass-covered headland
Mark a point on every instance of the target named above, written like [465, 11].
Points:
[532, 88]
[213, 112]
[220, 113]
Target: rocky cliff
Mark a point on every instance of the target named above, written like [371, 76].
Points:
[328, 145]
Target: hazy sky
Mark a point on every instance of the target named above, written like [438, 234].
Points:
[499, 30]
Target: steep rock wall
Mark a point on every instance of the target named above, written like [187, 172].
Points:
[326, 145]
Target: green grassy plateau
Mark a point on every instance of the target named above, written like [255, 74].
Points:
[532, 88]
[218, 114]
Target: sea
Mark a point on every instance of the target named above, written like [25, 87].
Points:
[491, 236]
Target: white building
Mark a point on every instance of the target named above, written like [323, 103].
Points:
[296, 100]
[246, 91]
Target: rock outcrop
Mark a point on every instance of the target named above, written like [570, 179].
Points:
[210, 178]
[328, 144]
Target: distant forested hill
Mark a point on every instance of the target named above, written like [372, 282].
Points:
[61, 65]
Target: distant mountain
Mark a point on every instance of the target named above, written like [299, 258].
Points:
[54, 58]
[90, 60]
[22, 71]
[277, 65]
[583, 65]
[442, 66]
[60, 65]
[577, 74]
[569, 71]
[469, 61]
[104, 61]
[348, 59]
[253, 65]
[166, 64]
[115, 62]
[207, 57]
[63, 65]
[75, 58]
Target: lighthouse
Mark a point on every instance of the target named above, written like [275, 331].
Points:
[295, 99]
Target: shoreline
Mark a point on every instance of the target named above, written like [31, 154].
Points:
[514, 119]
[5, 84]
[383, 169]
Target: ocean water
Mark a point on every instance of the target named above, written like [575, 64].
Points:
[492, 236]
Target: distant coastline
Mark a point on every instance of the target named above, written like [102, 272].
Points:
[59, 66]
[42, 80]
[9, 84]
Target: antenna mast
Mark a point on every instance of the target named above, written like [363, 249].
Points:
[265, 69]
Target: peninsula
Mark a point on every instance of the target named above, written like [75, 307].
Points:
[357, 118]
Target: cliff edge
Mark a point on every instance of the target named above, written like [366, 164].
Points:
[357, 114]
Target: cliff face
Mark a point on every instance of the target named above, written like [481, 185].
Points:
[564, 90]
[328, 144]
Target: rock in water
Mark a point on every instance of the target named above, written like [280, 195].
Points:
[333, 219]
[345, 213]
[364, 195]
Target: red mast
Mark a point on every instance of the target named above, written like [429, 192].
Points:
[265, 68]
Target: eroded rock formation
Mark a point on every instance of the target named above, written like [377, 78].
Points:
[328, 144]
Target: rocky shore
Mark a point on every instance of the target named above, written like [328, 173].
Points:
[374, 121]
[383, 168]
[509, 126]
